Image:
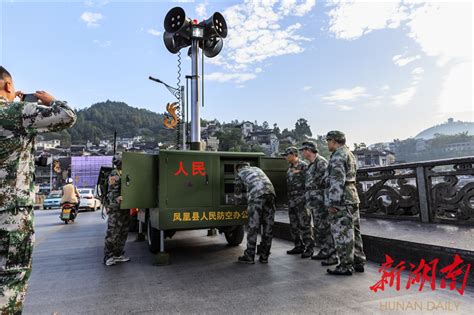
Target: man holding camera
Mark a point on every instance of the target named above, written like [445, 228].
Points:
[20, 122]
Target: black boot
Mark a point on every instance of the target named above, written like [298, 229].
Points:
[263, 258]
[295, 251]
[338, 271]
[359, 268]
[308, 252]
[320, 256]
[330, 261]
[245, 259]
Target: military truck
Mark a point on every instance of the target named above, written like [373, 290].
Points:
[187, 190]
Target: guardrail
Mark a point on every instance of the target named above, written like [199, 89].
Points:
[440, 191]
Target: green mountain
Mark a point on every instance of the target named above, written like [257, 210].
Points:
[100, 120]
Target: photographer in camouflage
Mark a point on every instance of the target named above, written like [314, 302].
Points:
[20, 122]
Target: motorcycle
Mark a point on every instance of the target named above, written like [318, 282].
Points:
[68, 212]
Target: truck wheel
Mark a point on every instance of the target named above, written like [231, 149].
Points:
[153, 236]
[236, 236]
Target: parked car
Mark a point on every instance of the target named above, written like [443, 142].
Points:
[53, 200]
[88, 200]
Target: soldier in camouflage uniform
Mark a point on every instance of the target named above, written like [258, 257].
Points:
[300, 217]
[261, 209]
[119, 219]
[314, 193]
[20, 122]
[342, 201]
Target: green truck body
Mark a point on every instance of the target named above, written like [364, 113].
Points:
[183, 190]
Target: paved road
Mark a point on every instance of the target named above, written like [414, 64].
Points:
[69, 278]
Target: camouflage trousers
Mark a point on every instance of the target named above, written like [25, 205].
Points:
[345, 228]
[16, 247]
[261, 212]
[300, 222]
[322, 228]
[117, 232]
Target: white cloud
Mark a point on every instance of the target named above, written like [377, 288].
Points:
[442, 30]
[456, 92]
[95, 3]
[225, 77]
[401, 61]
[292, 7]
[345, 107]
[385, 88]
[404, 97]
[257, 33]
[345, 94]
[352, 19]
[201, 10]
[153, 31]
[102, 44]
[91, 19]
[307, 88]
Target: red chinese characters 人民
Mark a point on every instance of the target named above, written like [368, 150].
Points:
[198, 168]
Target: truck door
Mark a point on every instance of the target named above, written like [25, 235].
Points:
[276, 168]
[139, 180]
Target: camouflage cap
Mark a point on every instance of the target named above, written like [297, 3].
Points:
[336, 135]
[290, 150]
[309, 145]
[242, 164]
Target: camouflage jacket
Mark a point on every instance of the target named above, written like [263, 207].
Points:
[20, 122]
[255, 182]
[113, 189]
[295, 178]
[341, 179]
[314, 184]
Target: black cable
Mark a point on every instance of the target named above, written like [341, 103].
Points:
[178, 108]
[202, 76]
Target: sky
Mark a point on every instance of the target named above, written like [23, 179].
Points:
[376, 70]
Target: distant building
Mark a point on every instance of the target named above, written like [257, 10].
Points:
[211, 144]
[369, 158]
[210, 130]
[460, 146]
[78, 150]
[266, 139]
[246, 127]
[47, 144]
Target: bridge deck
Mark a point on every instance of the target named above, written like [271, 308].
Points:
[69, 278]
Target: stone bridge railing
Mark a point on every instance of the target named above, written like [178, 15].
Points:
[439, 191]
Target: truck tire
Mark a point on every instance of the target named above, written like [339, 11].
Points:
[235, 236]
[153, 236]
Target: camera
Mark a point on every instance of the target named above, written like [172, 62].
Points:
[30, 98]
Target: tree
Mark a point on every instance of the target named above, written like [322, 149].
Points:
[276, 130]
[302, 129]
[265, 125]
[230, 139]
